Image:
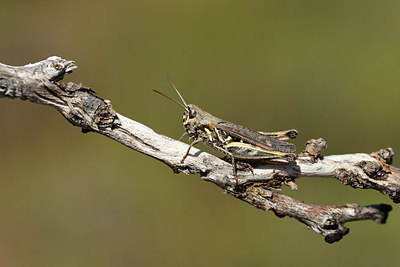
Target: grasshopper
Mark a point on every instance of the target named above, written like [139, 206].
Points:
[235, 141]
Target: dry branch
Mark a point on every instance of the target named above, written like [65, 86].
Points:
[82, 107]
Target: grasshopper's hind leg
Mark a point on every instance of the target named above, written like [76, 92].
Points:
[282, 135]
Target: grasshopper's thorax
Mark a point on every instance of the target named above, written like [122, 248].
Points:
[199, 123]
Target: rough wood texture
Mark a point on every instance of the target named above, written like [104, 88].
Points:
[82, 107]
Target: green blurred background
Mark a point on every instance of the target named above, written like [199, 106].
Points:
[328, 68]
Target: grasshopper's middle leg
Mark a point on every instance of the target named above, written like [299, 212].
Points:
[241, 164]
[234, 170]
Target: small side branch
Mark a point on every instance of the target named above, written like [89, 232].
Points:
[326, 220]
[82, 107]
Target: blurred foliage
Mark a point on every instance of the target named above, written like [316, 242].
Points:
[328, 68]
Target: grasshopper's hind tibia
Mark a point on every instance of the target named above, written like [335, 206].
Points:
[283, 135]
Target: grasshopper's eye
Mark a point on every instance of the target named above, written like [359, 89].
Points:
[192, 114]
[292, 134]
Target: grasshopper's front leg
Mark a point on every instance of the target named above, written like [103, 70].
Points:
[190, 146]
[183, 135]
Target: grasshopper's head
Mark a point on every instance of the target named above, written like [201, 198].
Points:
[197, 121]
[194, 118]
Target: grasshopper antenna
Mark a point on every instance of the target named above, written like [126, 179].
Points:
[170, 99]
[173, 85]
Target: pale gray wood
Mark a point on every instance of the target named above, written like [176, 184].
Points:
[80, 105]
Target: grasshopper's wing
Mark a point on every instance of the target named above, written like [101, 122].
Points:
[249, 136]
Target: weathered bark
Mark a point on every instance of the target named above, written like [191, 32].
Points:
[82, 107]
